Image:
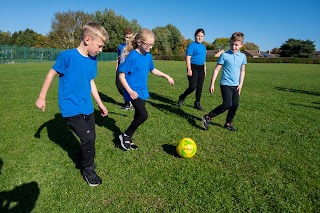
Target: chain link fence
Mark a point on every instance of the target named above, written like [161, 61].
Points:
[18, 54]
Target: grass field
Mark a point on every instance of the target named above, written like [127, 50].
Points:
[271, 164]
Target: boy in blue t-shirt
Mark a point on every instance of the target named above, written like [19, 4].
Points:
[231, 81]
[77, 69]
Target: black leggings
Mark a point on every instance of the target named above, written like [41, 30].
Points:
[140, 116]
[119, 84]
[195, 82]
[231, 98]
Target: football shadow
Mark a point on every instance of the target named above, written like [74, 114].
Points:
[170, 149]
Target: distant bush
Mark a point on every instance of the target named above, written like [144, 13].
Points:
[291, 60]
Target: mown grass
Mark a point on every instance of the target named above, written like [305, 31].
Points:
[271, 164]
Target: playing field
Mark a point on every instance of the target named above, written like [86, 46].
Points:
[271, 164]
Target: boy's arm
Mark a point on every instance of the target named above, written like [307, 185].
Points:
[133, 94]
[96, 96]
[161, 74]
[41, 101]
[214, 77]
[242, 74]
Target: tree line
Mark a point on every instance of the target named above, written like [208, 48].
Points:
[66, 27]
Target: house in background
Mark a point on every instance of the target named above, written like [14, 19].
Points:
[253, 53]
[215, 53]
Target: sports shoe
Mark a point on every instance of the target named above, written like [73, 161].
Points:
[205, 121]
[230, 127]
[91, 177]
[125, 141]
[180, 101]
[133, 146]
[127, 106]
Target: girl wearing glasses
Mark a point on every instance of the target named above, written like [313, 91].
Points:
[133, 75]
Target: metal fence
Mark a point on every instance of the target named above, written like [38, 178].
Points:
[18, 54]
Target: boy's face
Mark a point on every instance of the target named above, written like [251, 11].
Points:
[235, 46]
[128, 37]
[95, 45]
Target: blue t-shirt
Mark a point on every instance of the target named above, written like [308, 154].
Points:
[75, 73]
[136, 67]
[198, 52]
[231, 66]
[120, 50]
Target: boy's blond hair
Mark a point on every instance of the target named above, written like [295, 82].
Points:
[93, 29]
[237, 36]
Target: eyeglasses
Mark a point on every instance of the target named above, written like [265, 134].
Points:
[147, 45]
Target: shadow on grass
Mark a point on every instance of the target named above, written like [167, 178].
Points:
[170, 149]
[110, 124]
[108, 99]
[173, 108]
[298, 91]
[20, 199]
[304, 105]
[59, 133]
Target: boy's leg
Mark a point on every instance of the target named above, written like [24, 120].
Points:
[226, 94]
[84, 127]
[235, 104]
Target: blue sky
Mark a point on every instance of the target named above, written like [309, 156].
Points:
[268, 24]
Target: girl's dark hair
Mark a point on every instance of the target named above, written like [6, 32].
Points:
[199, 31]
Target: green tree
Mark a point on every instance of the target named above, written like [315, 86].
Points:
[5, 38]
[221, 44]
[66, 28]
[168, 40]
[24, 38]
[298, 48]
[115, 25]
[251, 46]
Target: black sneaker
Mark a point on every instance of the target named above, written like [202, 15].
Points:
[133, 146]
[205, 121]
[180, 101]
[127, 106]
[230, 127]
[91, 177]
[125, 141]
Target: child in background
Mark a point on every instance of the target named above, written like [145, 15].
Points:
[77, 69]
[196, 68]
[133, 75]
[127, 36]
[231, 81]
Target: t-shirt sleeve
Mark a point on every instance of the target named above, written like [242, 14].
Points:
[61, 63]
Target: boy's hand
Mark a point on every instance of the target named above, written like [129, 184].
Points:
[170, 80]
[41, 104]
[103, 110]
[211, 89]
